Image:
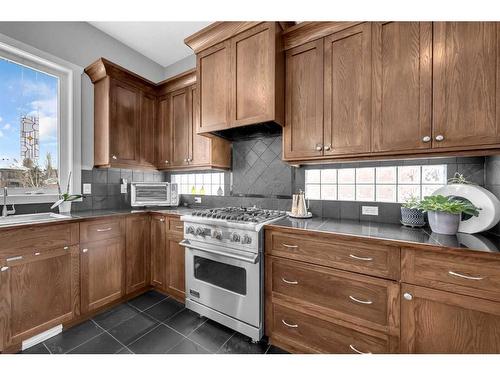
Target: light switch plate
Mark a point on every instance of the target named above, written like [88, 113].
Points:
[123, 188]
[197, 199]
[87, 188]
[369, 210]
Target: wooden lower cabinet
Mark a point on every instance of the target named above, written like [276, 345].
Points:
[158, 251]
[102, 272]
[38, 291]
[176, 267]
[137, 252]
[434, 321]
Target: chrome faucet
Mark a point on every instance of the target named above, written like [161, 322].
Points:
[6, 212]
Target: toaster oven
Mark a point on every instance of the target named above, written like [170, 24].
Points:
[153, 194]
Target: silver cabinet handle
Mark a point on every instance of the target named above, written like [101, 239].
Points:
[319, 147]
[66, 247]
[289, 282]
[367, 259]
[37, 254]
[85, 250]
[328, 147]
[185, 160]
[353, 348]
[288, 324]
[4, 268]
[364, 302]
[179, 227]
[189, 160]
[465, 276]
[166, 161]
[162, 220]
[407, 296]
[439, 137]
[114, 157]
[103, 229]
[14, 258]
[289, 246]
[426, 139]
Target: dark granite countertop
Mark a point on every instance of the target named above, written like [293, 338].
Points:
[485, 242]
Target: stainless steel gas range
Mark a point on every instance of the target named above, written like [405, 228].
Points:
[224, 265]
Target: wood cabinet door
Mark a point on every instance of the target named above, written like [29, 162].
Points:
[163, 134]
[402, 80]
[102, 272]
[439, 322]
[179, 121]
[124, 123]
[466, 87]
[147, 129]
[347, 80]
[137, 252]
[38, 291]
[214, 82]
[176, 266]
[199, 145]
[303, 132]
[158, 251]
[253, 55]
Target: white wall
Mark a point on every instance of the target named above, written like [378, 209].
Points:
[81, 44]
[180, 66]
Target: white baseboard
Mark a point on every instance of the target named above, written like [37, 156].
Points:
[32, 341]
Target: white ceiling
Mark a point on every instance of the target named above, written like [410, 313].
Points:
[162, 42]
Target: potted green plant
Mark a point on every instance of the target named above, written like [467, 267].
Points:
[445, 213]
[65, 199]
[411, 215]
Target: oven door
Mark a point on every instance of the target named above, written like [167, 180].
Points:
[227, 283]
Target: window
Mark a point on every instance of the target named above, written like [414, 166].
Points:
[374, 184]
[200, 183]
[39, 113]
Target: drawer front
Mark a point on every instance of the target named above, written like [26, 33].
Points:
[319, 336]
[470, 275]
[100, 230]
[353, 255]
[351, 297]
[176, 225]
[27, 240]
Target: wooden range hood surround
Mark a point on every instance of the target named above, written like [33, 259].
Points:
[240, 75]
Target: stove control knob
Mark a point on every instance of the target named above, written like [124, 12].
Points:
[217, 235]
[190, 230]
[246, 239]
[235, 237]
[200, 232]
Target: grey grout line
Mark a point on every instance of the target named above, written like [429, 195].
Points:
[225, 342]
[154, 304]
[186, 337]
[46, 347]
[86, 341]
[105, 330]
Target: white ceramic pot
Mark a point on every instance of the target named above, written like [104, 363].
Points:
[65, 208]
[443, 222]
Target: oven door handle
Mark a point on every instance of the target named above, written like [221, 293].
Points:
[252, 260]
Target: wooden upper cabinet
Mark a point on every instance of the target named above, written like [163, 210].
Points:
[162, 137]
[402, 81]
[214, 81]
[179, 122]
[347, 85]
[200, 146]
[303, 131]
[147, 129]
[436, 322]
[124, 129]
[240, 74]
[466, 97]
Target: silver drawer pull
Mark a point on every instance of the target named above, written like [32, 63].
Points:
[103, 229]
[37, 253]
[14, 258]
[162, 220]
[66, 247]
[288, 324]
[364, 302]
[179, 227]
[360, 258]
[4, 268]
[85, 250]
[353, 348]
[465, 276]
[289, 246]
[289, 282]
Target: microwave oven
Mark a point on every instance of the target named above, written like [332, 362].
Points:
[143, 194]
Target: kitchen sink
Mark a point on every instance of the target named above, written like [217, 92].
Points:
[31, 218]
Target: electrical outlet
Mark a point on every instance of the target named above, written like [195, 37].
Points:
[123, 188]
[369, 210]
[87, 188]
[197, 199]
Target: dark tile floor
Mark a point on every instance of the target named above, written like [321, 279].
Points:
[151, 323]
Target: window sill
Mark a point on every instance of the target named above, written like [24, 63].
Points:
[30, 199]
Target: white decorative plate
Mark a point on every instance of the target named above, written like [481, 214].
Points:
[308, 216]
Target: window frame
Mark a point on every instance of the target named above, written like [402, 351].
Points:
[69, 115]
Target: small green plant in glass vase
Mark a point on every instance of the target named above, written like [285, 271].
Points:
[411, 214]
[65, 199]
[445, 213]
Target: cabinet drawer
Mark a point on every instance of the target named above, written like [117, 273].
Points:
[359, 299]
[315, 335]
[468, 274]
[176, 225]
[353, 255]
[100, 229]
[26, 240]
